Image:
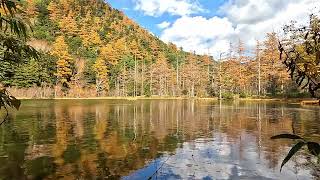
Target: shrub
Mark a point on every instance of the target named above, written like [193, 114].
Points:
[243, 95]
[227, 95]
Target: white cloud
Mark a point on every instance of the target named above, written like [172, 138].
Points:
[245, 19]
[253, 11]
[199, 34]
[173, 7]
[164, 25]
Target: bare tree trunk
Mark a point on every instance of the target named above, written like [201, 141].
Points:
[183, 84]
[55, 91]
[135, 77]
[177, 74]
[259, 76]
[151, 84]
[161, 87]
[192, 89]
[142, 79]
[124, 81]
[166, 86]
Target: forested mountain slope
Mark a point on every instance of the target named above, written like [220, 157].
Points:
[88, 44]
[91, 49]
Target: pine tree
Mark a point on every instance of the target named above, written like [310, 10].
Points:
[30, 74]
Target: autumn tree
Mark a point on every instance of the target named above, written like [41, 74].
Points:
[89, 32]
[137, 55]
[68, 25]
[101, 70]
[161, 74]
[301, 54]
[54, 10]
[191, 74]
[228, 80]
[77, 81]
[274, 68]
[155, 48]
[64, 62]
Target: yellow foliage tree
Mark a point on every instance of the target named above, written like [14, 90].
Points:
[101, 69]
[64, 62]
[135, 50]
[108, 53]
[55, 13]
[191, 74]
[161, 74]
[69, 25]
[154, 49]
[120, 47]
[90, 38]
[89, 31]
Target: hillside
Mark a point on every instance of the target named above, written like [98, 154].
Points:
[88, 46]
[90, 49]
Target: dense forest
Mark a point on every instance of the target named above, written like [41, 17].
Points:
[89, 49]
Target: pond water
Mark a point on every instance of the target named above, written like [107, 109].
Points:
[155, 139]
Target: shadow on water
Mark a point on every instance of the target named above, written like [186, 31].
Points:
[182, 139]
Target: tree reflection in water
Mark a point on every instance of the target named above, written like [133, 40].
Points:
[89, 139]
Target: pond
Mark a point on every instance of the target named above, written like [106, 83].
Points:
[155, 139]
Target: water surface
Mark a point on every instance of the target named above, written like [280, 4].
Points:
[158, 139]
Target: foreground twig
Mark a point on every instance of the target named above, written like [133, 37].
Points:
[149, 178]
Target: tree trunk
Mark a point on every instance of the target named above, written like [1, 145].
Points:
[142, 79]
[192, 89]
[151, 93]
[177, 74]
[135, 77]
[259, 76]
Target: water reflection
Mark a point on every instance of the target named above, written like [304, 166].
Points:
[132, 139]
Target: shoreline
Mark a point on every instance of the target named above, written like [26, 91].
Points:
[298, 100]
[118, 98]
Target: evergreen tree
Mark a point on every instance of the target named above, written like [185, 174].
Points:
[30, 74]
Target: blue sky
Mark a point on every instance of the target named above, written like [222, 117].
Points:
[151, 22]
[209, 26]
